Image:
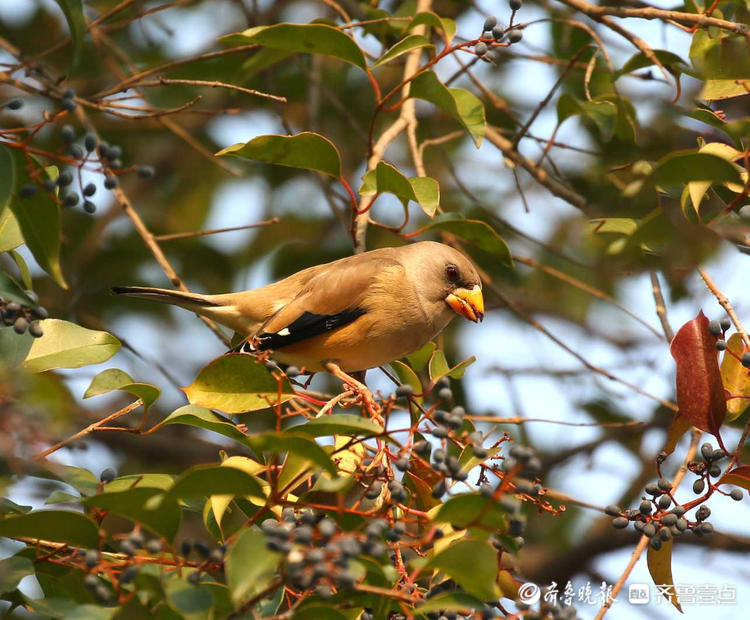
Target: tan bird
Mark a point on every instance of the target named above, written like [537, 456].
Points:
[349, 315]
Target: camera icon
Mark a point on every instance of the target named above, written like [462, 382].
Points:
[639, 593]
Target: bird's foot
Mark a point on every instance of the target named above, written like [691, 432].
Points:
[361, 392]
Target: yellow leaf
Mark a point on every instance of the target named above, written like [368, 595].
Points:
[660, 568]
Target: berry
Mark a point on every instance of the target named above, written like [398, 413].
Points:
[153, 546]
[439, 455]
[108, 475]
[327, 528]
[715, 328]
[489, 23]
[76, 150]
[498, 33]
[440, 432]
[69, 93]
[110, 182]
[89, 207]
[721, 345]
[91, 582]
[509, 463]
[698, 486]
[68, 104]
[292, 371]
[14, 104]
[718, 454]
[706, 528]
[620, 523]
[49, 185]
[515, 35]
[402, 464]
[715, 471]
[404, 391]
[655, 544]
[736, 495]
[201, 548]
[89, 142]
[649, 530]
[707, 451]
[681, 525]
[67, 133]
[515, 4]
[679, 510]
[194, 578]
[127, 548]
[612, 510]
[65, 178]
[486, 490]
[480, 49]
[652, 489]
[89, 190]
[70, 200]
[439, 489]
[40, 312]
[422, 448]
[128, 574]
[664, 502]
[645, 507]
[145, 171]
[745, 359]
[664, 484]
[445, 394]
[27, 191]
[669, 519]
[288, 515]
[703, 513]
[91, 558]
[479, 452]
[725, 323]
[35, 329]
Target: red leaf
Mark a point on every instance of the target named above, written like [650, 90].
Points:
[700, 393]
[739, 476]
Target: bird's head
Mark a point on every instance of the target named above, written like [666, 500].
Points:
[446, 275]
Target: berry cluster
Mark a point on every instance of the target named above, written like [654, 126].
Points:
[449, 585]
[719, 329]
[22, 317]
[497, 34]
[84, 151]
[318, 554]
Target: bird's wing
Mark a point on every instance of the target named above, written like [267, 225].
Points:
[337, 295]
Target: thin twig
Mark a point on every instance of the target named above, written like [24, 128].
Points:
[91, 427]
[210, 83]
[214, 231]
[724, 303]
[661, 308]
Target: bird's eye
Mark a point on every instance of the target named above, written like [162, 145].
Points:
[451, 272]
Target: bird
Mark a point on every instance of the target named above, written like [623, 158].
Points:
[349, 315]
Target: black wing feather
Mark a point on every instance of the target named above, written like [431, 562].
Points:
[306, 326]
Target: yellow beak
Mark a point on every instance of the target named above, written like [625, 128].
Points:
[468, 303]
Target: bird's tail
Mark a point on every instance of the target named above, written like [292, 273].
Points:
[190, 301]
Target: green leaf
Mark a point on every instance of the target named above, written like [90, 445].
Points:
[697, 189]
[7, 179]
[471, 509]
[301, 445]
[237, 383]
[191, 602]
[304, 39]
[407, 376]
[680, 167]
[73, 11]
[472, 564]
[250, 566]
[12, 570]
[735, 378]
[113, 379]
[427, 192]
[344, 424]
[200, 417]
[450, 601]
[389, 179]
[23, 268]
[39, 220]
[719, 55]
[262, 59]
[639, 60]
[461, 104]
[67, 345]
[411, 42]
[10, 289]
[10, 231]
[715, 90]
[439, 367]
[478, 232]
[602, 113]
[306, 150]
[428, 18]
[54, 525]
[418, 360]
[206, 480]
[162, 518]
